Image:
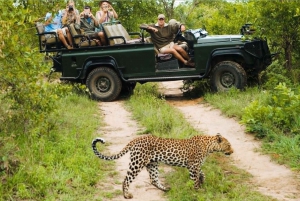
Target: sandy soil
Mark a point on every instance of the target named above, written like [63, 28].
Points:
[268, 177]
[119, 130]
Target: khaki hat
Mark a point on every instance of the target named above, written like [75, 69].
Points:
[173, 21]
[161, 16]
[100, 3]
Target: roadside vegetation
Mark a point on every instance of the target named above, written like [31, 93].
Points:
[223, 181]
[57, 164]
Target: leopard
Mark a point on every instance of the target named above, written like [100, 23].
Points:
[149, 150]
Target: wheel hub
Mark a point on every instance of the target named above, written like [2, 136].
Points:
[227, 80]
[103, 84]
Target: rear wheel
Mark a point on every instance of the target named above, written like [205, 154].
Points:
[228, 74]
[104, 84]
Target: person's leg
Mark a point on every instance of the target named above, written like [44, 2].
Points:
[102, 37]
[184, 54]
[63, 39]
[67, 34]
[95, 37]
[181, 51]
[170, 50]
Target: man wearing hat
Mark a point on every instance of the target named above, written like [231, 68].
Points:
[106, 14]
[162, 35]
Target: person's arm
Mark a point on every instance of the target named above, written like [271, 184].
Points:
[64, 18]
[101, 15]
[48, 21]
[148, 28]
[113, 11]
[176, 27]
[77, 17]
[96, 22]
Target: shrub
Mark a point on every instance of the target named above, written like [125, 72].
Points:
[280, 109]
[275, 73]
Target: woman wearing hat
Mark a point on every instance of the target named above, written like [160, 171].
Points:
[106, 14]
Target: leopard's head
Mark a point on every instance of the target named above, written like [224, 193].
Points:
[223, 145]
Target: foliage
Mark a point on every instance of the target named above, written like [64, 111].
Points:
[130, 13]
[280, 110]
[217, 17]
[275, 74]
[57, 166]
[279, 22]
[22, 80]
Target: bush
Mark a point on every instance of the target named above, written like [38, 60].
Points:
[280, 109]
[275, 73]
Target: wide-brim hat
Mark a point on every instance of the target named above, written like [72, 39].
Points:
[107, 1]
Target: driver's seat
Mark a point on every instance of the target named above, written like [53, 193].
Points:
[159, 55]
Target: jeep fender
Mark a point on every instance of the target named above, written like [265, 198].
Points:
[233, 54]
[94, 62]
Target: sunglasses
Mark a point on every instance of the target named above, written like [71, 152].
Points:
[161, 18]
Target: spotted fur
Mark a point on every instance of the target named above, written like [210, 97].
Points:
[147, 151]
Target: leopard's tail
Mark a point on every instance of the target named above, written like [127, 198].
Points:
[113, 157]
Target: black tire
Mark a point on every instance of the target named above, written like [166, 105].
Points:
[104, 84]
[227, 74]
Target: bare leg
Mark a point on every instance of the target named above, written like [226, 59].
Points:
[70, 39]
[181, 51]
[102, 38]
[175, 53]
[63, 39]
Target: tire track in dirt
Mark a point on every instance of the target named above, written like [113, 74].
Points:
[269, 178]
[119, 130]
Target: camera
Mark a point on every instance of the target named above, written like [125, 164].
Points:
[86, 14]
[71, 8]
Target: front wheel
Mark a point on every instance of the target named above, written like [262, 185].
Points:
[104, 84]
[227, 74]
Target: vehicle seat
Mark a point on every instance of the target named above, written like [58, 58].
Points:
[79, 39]
[117, 34]
[127, 35]
[48, 41]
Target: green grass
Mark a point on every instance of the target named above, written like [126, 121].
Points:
[59, 165]
[234, 101]
[223, 181]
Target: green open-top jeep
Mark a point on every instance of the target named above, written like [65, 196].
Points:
[226, 60]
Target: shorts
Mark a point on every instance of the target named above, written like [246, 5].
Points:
[91, 35]
[170, 45]
[55, 30]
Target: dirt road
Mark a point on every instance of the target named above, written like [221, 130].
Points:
[268, 177]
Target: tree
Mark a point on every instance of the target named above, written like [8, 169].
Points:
[279, 21]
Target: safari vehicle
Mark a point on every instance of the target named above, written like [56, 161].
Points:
[226, 60]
